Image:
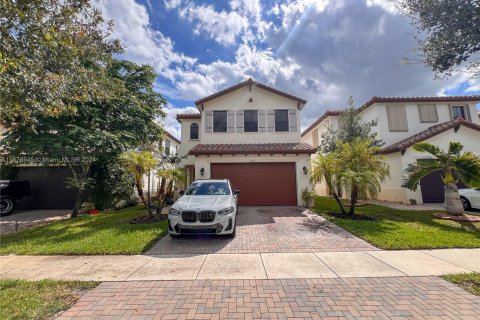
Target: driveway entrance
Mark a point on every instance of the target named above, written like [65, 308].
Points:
[269, 229]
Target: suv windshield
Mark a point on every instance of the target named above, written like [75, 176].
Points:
[206, 188]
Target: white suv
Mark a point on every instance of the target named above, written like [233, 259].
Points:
[208, 207]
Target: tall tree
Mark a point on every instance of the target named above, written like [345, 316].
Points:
[351, 126]
[98, 131]
[454, 165]
[53, 58]
[449, 33]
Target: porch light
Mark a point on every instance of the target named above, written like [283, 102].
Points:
[305, 170]
[202, 171]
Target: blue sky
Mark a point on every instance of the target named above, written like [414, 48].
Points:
[320, 50]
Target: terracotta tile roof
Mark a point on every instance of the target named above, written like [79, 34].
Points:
[325, 115]
[252, 148]
[168, 134]
[188, 116]
[430, 132]
[420, 99]
[251, 82]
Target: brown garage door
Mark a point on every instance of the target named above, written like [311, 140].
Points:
[260, 183]
[47, 187]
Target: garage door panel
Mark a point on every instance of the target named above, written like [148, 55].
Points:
[260, 183]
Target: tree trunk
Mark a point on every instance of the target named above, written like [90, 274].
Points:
[140, 193]
[339, 201]
[353, 199]
[78, 203]
[167, 192]
[453, 203]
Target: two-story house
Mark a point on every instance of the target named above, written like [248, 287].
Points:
[250, 134]
[403, 121]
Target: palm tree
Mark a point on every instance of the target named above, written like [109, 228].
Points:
[362, 168]
[137, 164]
[172, 175]
[325, 167]
[453, 165]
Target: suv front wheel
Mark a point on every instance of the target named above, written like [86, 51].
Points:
[7, 204]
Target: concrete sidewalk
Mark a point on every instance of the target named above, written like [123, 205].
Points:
[243, 266]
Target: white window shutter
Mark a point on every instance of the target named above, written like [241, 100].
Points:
[292, 120]
[262, 125]
[208, 121]
[240, 121]
[230, 121]
[270, 121]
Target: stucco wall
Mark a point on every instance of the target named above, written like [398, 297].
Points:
[300, 161]
[391, 188]
[378, 112]
[239, 100]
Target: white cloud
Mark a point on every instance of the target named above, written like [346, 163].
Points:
[387, 5]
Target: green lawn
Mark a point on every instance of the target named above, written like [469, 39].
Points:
[401, 229]
[20, 299]
[105, 233]
[467, 281]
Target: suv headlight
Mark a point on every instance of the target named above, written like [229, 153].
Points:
[226, 211]
[174, 212]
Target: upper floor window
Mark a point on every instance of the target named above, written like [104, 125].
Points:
[167, 147]
[281, 121]
[194, 131]
[250, 120]
[458, 112]
[219, 121]
[428, 113]
[397, 118]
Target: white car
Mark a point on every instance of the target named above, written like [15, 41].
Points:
[208, 207]
[470, 198]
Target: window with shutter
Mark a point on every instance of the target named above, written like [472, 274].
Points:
[397, 118]
[428, 113]
[281, 121]
[250, 118]
[458, 112]
[219, 121]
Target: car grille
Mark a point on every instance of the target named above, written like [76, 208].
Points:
[202, 216]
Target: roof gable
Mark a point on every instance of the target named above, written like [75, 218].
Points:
[427, 134]
[250, 83]
[327, 114]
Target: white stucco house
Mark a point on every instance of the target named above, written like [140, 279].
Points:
[170, 145]
[403, 121]
[248, 133]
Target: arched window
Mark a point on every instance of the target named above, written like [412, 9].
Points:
[194, 131]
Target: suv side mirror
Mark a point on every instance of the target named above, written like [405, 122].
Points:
[236, 192]
[181, 192]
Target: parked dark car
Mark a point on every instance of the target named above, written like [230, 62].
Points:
[10, 192]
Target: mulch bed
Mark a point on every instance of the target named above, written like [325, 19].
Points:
[350, 217]
[147, 219]
[460, 218]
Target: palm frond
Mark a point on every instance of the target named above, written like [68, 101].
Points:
[454, 148]
[430, 148]
[467, 168]
[416, 171]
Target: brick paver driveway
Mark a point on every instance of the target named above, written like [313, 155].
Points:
[269, 229]
[354, 298]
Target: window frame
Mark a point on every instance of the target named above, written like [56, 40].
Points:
[167, 149]
[464, 108]
[275, 120]
[244, 121]
[226, 120]
[388, 106]
[420, 114]
[198, 131]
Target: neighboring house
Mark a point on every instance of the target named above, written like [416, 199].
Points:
[170, 145]
[403, 121]
[248, 133]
